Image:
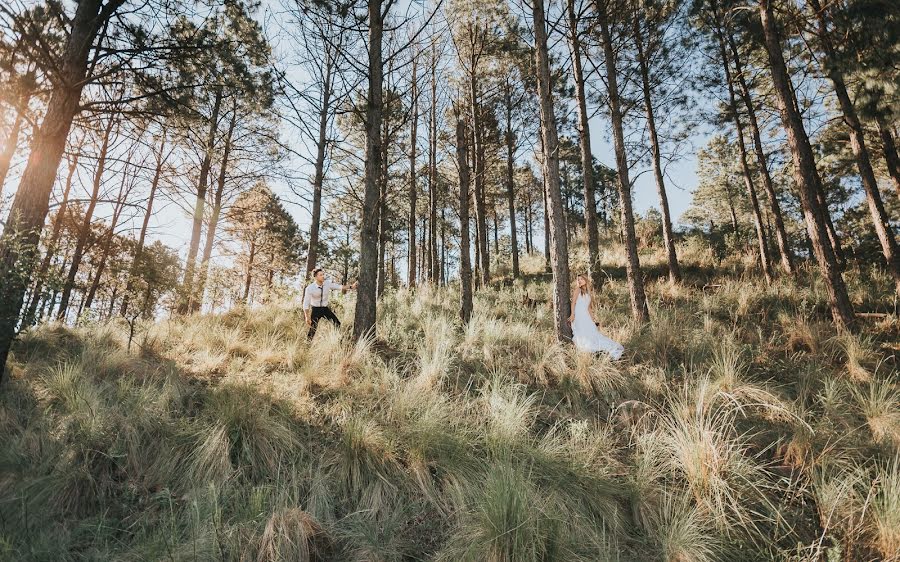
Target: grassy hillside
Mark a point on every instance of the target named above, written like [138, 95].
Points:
[738, 427]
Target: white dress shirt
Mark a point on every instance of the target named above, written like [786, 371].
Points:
[318, 295]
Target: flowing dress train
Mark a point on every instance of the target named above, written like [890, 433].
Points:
[585, 334]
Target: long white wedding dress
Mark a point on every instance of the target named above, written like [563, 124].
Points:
[585, 334]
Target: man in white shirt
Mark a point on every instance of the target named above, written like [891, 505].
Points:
[316, 298]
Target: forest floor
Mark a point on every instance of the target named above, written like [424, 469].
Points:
[739, 426]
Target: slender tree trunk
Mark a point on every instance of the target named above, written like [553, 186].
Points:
[496, 231]
[633, 266]
[112, 302]
[443, 265]
[805, 174]
[319, 177]
[473, 193]
[105, 247]
[413, 193]
[547, 267]
[248, 277]
[19, 241]
[833, 240]
[860, 151]
[84, 232]
[529, 224]
[386, 140]
[189, 290]
[139, 247]
[729, 196]
[889, 148]
[433, 266]
[587, 158]
[478, 160]
[784, 248]
[668, 236]
[424, 265]
[465, 265]
[745, 166]
[36, 292]
[197, 301]
[559, 251]
[510, 181]
[365, 313]
[12, 139]
[382, 239]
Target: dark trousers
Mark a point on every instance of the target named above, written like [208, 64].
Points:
[317, 313]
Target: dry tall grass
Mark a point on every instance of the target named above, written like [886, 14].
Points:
[739, 427]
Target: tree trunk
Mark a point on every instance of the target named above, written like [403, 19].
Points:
[431, 251]
[668, 236]
[510, 182]
[248, 278]
[197, 301]
[19, 241]
[365, 313]
[382, 238]
[529, 224]
[559, 251]
[832, 239]
[188, 289]
[496, 231]
[465, 265]
[805, 174]
[413, 193]
[107, 242]
[547, 267]
[319, 177]
[12, 139]
[478, 154]
[633, 266]
[890, 151]
[442, 267]
[587, 159]
[784, 248]
[36, 297]
[860, 151]
[745, 166]
[84, 232]
[139, 247]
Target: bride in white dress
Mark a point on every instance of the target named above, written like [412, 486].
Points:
[585, 334]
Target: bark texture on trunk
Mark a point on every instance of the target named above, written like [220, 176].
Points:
[478, 154]
[860, 150]
[36, 297]
[319, 177]
[12, 139]
[668, 235]
[889, 148]
[633, 266]
[587, 158]
[188, 286]
[784, 248]
[85, 230]
[413, 192]
[365, 313]
[465, 265]
[559, 251]
[805, 174]
[762, 244]
[19, 242]
[510, 181]
[215, 213]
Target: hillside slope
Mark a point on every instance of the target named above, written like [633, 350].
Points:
[739, 427]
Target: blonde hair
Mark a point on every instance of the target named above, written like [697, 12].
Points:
[588, 286]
